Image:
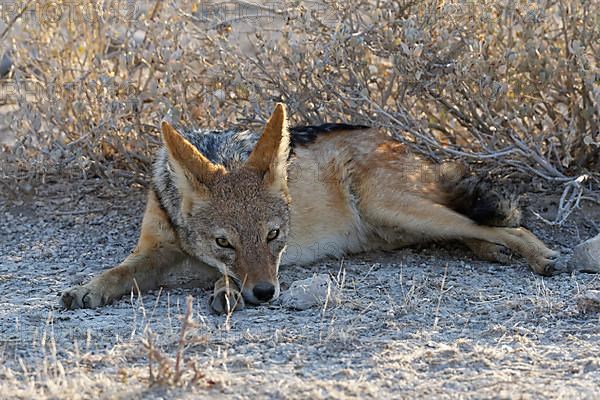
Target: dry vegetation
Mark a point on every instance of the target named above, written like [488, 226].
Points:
[513, 86]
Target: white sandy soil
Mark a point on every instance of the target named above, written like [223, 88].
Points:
[414, 323]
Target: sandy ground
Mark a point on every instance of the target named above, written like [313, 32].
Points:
[415, 323]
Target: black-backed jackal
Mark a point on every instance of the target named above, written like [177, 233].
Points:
[233, 206]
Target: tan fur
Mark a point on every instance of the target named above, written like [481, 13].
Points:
[270, 154]
[347, 192]
[157, 260]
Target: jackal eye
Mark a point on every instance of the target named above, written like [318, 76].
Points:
[222, 242]
[272, 234]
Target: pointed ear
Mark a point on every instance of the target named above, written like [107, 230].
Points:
[270, 155]
[193, 171]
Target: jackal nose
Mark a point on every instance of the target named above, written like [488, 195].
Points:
[264, 291]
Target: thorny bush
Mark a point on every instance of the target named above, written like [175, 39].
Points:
[513, 86]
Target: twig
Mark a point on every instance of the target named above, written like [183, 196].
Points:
[593, 200]
[187, 322]
[439, 302]
[569, 201]
[81, 212]
[480, 156]
[15, 18]
[537, 157]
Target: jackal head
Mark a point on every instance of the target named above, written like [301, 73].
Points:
[237, 220]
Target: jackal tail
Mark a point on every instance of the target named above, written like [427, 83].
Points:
[483, 200]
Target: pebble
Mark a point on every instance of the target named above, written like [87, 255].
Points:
[310, 292]
[589, 301]
[586, 256]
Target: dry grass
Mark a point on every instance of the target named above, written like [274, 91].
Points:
[178, 370]
[510, 86]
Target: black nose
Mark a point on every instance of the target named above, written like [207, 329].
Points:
[264, 291]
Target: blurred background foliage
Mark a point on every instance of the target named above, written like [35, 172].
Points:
[512, 86]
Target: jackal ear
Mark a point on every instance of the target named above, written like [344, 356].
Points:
[270, 155]
[193, 171]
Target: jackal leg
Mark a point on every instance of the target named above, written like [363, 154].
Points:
[488, 251]
[226, 297]
[156, 256]
[414, 214]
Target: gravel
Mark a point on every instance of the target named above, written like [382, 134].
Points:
[414, 323]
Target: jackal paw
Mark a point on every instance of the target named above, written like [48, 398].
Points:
[226, 300]
[540, 258]
[84, 296]
[546, 264]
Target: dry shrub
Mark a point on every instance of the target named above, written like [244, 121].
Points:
[513, 86]
[175, 371]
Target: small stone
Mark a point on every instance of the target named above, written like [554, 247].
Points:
[589, 301]
[139, 36]
[586, 256]
[310, 292]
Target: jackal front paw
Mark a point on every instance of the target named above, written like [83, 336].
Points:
[226, 300]
[84, 296]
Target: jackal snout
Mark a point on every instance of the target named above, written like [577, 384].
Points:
[258, 271]
[264, 291]
[261, 292]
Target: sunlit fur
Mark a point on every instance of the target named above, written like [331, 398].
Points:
[327, 191]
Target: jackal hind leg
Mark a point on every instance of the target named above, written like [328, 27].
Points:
[156, 256]
[423, 217]
[487, 251]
